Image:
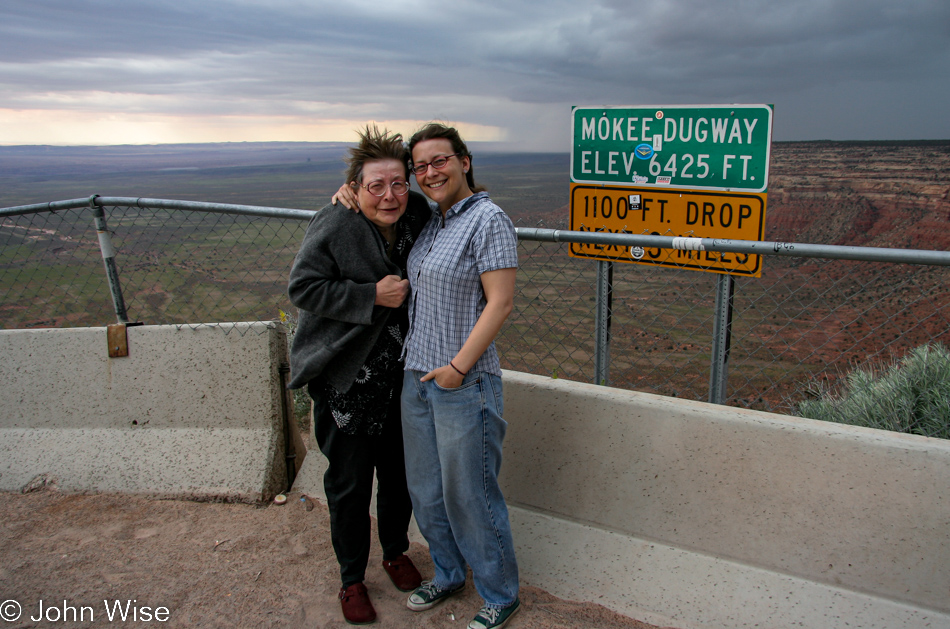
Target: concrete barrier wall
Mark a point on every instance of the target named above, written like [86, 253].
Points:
[698, 515]
[674, 512]
[191, 412]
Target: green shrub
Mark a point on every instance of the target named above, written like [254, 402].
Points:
[911, 395]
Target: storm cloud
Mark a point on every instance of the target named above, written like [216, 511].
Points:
[834, 69]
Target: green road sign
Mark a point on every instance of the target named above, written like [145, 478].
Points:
[694, 147]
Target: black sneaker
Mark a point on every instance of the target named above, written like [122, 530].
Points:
[428, 595]
[494, 618]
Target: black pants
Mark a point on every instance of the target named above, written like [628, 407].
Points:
[349, 487]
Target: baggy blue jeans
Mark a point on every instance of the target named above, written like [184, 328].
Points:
[453, 440]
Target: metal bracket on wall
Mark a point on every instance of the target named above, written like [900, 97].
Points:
[118, 339]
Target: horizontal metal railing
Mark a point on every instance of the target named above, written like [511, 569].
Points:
[782, 249]
[165, 204]
[770, 248]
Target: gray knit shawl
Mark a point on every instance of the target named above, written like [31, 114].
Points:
[333, 283]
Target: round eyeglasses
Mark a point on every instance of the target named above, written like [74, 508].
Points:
[438, 163]
[378, 188]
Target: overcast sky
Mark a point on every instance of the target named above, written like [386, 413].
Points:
[134, 71]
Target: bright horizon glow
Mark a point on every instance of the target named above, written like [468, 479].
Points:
[89, 128]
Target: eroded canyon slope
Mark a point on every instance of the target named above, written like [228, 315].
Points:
[887, 194]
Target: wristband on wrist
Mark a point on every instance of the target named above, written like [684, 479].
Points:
[461, 373]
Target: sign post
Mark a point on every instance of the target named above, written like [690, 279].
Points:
[687, 171]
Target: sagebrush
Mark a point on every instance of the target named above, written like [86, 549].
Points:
[910, 395]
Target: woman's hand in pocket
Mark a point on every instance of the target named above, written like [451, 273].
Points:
[446, 377]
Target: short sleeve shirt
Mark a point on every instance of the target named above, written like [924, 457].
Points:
[445, 268]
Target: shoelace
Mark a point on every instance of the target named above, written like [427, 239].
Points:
[490, 614]
[430, 588]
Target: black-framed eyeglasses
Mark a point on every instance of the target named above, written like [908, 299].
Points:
[438, 163]
[378, 188]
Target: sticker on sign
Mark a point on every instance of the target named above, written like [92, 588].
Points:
[695, 147]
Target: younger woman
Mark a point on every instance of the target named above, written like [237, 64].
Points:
[462, 272]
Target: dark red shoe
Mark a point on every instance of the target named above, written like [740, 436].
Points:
[403, 573]
[357, 608]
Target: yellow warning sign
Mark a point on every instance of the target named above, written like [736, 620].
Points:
[682, 214]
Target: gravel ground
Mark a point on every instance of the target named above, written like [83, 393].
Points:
[196, 564]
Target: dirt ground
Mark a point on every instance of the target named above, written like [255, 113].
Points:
[192, 564]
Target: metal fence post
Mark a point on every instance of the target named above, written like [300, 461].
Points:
[108, 259]
[605, 290]
[722, 339]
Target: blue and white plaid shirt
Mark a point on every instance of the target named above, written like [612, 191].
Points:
[445, 268]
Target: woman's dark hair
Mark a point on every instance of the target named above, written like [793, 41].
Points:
[436, 130]
[373, 145]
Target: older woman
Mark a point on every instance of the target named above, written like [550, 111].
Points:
[347, 281]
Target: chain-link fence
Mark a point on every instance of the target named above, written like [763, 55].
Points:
[797, 329]
[175, 266]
